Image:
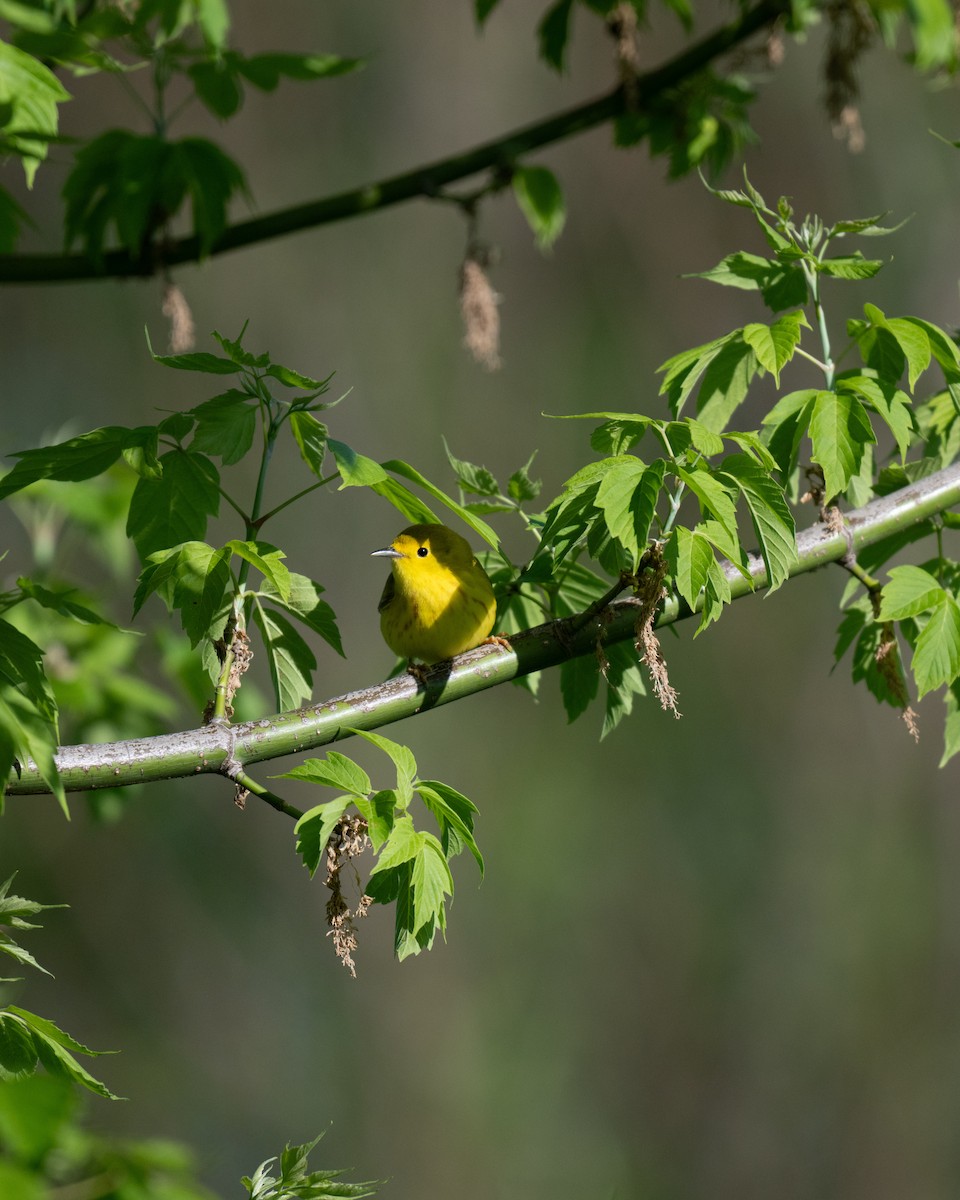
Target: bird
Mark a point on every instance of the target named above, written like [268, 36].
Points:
[437, 601]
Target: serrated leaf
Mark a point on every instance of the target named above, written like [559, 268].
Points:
[335, 770]
[30, 93]
[713, 495]
[725, 384]
[627, 497]
[303, 601]
[454, 813]
[541, 201]
[914, 343]
[579, 682]
[553, 34]
[772, 519]
[313, 829]
[56, 1049]
[405, 471]
[311, 437]
[174, 509]
[356, 470]
[891, 404]
[951, 731]
[936, 656]
[267, 560]
[401, 757]
[839, 431]
[851, 266]
[472, 478]
[225, 426]
[520, 486]
[289, 658]
[689, 556]
[774, 344]
[77, 458]
[378, 811]
[194, 579]
[909, 591]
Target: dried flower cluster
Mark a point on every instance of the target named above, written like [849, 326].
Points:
[347, 841]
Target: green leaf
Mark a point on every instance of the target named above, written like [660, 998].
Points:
[200, 577]
[934, 33]
[772, 519]
[290, 659]
[914, 343]
[951, 732]
[454, 814]
[213, 17]
[335, 771]
[401, 757]
[302, 600]
[909, 592]
[315, 826]
[839, 431]
[356, 470]
[936, 656]
[714, 496]
[785, 425]
[210, 178]
[541, 201]
[217, 87]
[56, 1050]
[689, 556]
[716, 595]
[725, 383]
[520, 486]
[431, 880]
[225, 426]
[379, 811]
[12, 217]
[21, 667]
[29, 94]
[774, 344]
[405, 471]
[471, 478]
[852, 266]
[311, 436]
[483, 8]
[579, 682]
[267, 560]
[265, 71]
[553, 34]
[25, 732]
[403, 844]
[627, 497]
[404, 501]
[781, 285]
[199, 360]
[891, 404]
[78, 458]
[173, 509]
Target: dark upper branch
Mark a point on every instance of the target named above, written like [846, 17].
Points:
[219, 748]
[423, 181]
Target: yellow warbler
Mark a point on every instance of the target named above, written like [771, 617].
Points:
[437, 601]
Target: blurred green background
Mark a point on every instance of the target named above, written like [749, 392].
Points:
[711, 957]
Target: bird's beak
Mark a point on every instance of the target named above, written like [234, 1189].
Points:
[387, 552]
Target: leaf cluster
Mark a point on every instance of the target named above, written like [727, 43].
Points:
[412, 868]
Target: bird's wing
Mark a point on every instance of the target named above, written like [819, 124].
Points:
[389, 590]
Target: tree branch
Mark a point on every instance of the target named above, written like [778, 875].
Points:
[227, 749]
[425, 181]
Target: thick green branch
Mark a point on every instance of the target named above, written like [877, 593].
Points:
[425, 181]
[225, 749]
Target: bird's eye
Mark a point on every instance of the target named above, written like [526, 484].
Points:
[422, 552]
